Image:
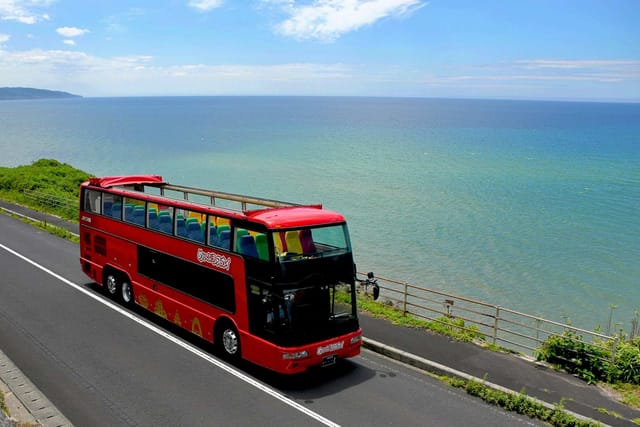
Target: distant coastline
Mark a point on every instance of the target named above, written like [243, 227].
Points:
[12, 93]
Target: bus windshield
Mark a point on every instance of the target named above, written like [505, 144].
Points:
[304, 243]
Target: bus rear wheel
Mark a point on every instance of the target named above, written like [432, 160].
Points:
[111, 285]
[126, 292]
[228, 341]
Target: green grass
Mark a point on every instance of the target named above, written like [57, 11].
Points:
[3, 406]
[519, 403]
[57, 180]
[630, 394]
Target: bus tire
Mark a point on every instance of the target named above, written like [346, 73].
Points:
[126, 292]
[111, 286]
[228, 340]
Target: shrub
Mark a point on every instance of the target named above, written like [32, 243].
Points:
[591, 362]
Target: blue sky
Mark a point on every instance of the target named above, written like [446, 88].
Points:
[515, 49]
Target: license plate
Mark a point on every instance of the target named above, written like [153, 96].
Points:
[329, 360]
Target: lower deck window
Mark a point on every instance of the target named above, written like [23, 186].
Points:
[205, 284]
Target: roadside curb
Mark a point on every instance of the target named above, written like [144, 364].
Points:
[439, 369]
[24, 401]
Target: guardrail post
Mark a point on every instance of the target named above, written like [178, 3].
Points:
[614, 348]
[404, 300]
[495, 324]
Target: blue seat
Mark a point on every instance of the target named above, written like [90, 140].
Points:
[106, 208]
[194, 232]
[247, 246]
[224, 239]
[181, 229]
[164, 224]
[138, 215]
[128, 212]
[213, 235]
[153, 219]
[116, 210]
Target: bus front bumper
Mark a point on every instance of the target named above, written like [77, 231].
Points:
[325, 353]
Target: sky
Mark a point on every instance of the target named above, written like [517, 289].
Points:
[584, 50]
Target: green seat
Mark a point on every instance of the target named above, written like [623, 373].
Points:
[262, 246]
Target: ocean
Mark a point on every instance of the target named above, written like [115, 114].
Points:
[531, 205]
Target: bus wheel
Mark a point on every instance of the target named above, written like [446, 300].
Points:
[126, 292]
[229, 341]
[111, 285]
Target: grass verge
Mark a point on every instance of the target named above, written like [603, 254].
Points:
[519, 403]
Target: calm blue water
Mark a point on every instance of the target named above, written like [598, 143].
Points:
[531, 205]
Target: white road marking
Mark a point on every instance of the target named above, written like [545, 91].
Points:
[186, 346]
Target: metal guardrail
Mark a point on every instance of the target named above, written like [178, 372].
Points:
[66, 205]
[500, 326]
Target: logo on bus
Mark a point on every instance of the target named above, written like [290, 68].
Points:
[214, 259]
[331, 347]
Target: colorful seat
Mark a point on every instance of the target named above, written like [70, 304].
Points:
[224, 239]
[247, 246]
[262, 246]
[306, 241]
[194, 232]
[293, 242]
[164, 224]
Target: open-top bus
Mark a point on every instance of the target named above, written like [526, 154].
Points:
[269, 281]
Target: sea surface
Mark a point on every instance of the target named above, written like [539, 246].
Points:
[534, 206]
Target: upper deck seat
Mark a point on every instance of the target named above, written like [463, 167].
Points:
[293, 242]
[181, 228]
[213, 235]
[106, 208]
[194, 232]
[262, 246]
[306, 241]
[247, 246]
[164, 224]
[224, 239]
[138, 215]
[153, 218]
[128, 212]
[116, 210]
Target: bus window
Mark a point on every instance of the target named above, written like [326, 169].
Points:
[134, 211]
[92, 201]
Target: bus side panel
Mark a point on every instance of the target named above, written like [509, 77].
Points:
[166, 303]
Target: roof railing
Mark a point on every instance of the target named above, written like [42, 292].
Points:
[230, 201]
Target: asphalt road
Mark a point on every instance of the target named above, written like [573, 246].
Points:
[103, 365]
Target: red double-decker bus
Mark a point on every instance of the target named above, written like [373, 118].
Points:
[272, 282]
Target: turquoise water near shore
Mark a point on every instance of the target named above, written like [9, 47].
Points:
[530, 205]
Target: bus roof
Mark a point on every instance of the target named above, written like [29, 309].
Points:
[112, 181]
[297, 216]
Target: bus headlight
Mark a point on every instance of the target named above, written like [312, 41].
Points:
[296, 355]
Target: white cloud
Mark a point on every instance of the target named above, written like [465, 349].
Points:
[205, 5]
[137, 75]
[71, 31]
[4, 38]
[327, 20]
[69, 42]
[23, 11]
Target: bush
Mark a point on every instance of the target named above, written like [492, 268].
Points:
[591, 362]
